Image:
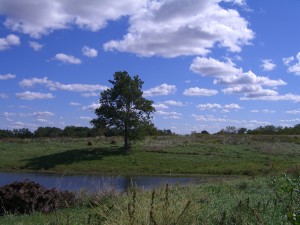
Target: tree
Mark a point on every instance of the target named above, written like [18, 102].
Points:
[123, 107]
[242, 130]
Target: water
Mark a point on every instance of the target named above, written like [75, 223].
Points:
[101, 182]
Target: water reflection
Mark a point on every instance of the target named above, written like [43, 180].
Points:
[98, 182]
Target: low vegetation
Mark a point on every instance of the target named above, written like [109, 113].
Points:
[256, 201]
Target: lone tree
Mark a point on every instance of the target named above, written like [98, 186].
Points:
[123, 107]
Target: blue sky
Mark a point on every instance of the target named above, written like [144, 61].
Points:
[206, 64]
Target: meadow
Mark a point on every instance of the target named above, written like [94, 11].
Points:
[263, 195]
[168, 155]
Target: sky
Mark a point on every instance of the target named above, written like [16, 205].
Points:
[206, 64]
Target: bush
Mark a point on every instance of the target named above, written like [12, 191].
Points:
[28, 197]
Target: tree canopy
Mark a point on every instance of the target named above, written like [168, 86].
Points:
[124, 108]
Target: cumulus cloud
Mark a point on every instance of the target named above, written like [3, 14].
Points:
[252, 91]
[57, 86]
[39, 17]
[176, 28]
[163, 89]
[42, 114]
[7, 76]
[285, 97]
[8, 41]
[239, 82]
[294, 112]
[174, 103]
[214, 106]
[268, 65]
[215, 68]
[160, 106]
[227, 73]
[249, 78]
[27, 95]
[89, 52]
[35, 45]
[196, 91]
[293, 64]
[169, 115]
[68, 59]
[209, 106]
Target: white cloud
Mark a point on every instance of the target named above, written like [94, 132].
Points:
[249, 78]
[293, 67]
[7, 76]
[7, 114]
[239, 82]
[39, 17]
[174, 103]
[175, 28]
[169, 115]
[232, 106]
[75, 104]
[210, 118]
[8, 41]
[160, 106]
[251, 91]
[214, 106]
[42, 114]
[227, 73]
[163, 89]
[27, 95]
[213, 67]
[209, 106]
[295, 112]
[35, 45]
[89, 52]
[69, 59]
[41, 120]
[286, 97]
[268, 111]
[195, 91]
[268, 65]
[19, 125]
[91, 107]
[56, 86]
[287, 61]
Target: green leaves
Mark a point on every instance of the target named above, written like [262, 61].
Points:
[123, 107]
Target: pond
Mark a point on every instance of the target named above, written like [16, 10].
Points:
[102, 182]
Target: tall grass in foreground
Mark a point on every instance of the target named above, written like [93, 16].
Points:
[258, 201]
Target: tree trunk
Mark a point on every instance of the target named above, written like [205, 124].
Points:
[126, 145]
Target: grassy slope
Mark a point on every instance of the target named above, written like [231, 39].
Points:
[162, 155]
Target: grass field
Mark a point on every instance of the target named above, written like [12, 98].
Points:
[202, 154]
[264, 197]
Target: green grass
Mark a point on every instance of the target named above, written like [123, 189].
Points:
[220, 155]
[244, 201]
[251, 201]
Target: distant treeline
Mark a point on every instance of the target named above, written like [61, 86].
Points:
[72, 131]
[268, 129]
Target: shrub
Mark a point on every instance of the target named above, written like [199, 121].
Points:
[28, 197]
